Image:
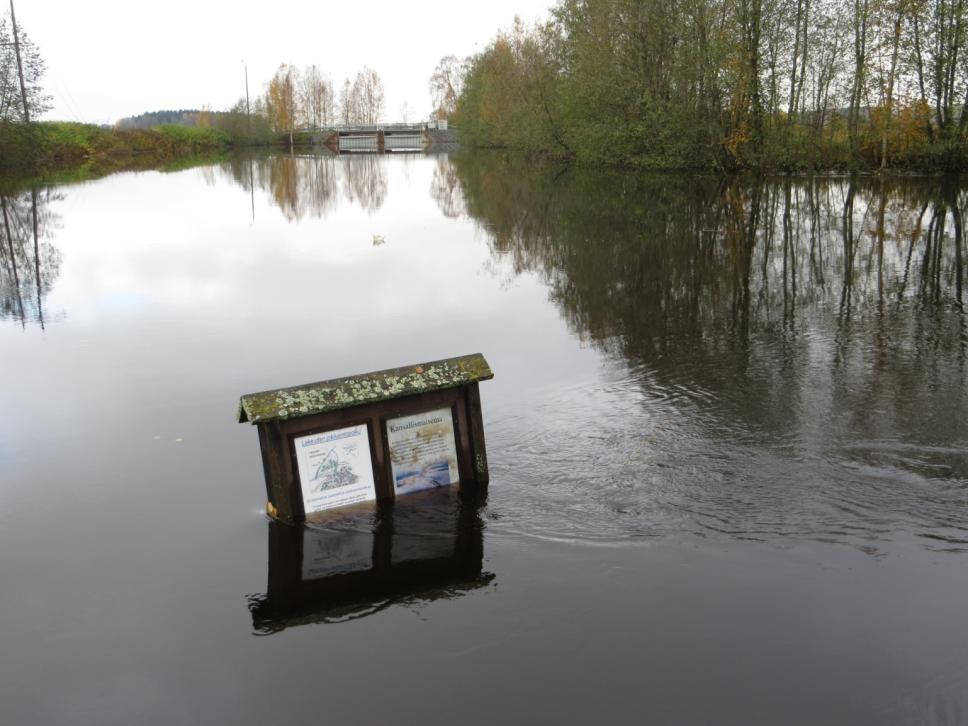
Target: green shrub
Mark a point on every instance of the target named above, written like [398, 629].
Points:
[47, 147]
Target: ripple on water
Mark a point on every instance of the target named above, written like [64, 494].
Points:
[626, 458]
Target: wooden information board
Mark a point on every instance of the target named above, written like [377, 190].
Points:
[372, 436]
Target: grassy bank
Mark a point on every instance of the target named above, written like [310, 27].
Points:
[46, 148]
[60, 150]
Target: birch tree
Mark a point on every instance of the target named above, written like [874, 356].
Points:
[368, 96]
[34, 67]
[446, 84]
[316, 98]
[281, 101]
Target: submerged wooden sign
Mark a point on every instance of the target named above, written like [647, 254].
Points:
[372, 436]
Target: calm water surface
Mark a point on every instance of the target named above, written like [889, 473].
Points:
[727, 434]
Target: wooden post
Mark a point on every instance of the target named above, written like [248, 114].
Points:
[476, 421]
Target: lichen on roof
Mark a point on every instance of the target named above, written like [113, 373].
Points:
[315, 398]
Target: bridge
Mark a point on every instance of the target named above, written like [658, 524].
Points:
[379, 138]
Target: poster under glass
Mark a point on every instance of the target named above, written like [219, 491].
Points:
[423, 453]
[335, 468]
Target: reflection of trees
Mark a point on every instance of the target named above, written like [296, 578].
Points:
[446, 190]
[29, 261]
[309, 186]
[284, 186]
[365, 180]
[750, 288]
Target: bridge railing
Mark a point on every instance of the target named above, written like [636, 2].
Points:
[387, 128]
[367, 128]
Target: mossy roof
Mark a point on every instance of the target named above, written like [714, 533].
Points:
[315, 398]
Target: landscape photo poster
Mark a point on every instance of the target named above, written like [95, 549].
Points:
[335, 468]
[423, 453]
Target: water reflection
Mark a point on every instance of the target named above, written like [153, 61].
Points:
[29, 262]
[782, 358]
[424, 547]
[446, 190]
[793, 351]
[313, 186]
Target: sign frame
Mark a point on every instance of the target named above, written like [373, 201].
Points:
[462, 471]
[374, 399]
[293, 437]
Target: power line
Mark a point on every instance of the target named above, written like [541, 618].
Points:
[68, 99]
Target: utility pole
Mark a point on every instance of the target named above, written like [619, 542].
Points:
[246, 66]
[40, 302]
[248, 115]
[20, 66]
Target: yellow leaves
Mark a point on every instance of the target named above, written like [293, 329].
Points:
[281, 99]
[204, 120]
[738, 136]
[907, 129]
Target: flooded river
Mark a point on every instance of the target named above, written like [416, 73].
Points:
[728, 438]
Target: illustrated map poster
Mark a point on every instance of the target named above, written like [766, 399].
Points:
[335, 468]
[423, 453]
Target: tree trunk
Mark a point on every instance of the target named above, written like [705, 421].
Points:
[920, 69]
[860, 69]
[890, 86]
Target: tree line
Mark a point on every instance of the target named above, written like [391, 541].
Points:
[150, 119]
[728, 84]
[304, 98]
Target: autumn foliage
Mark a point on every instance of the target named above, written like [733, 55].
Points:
[728, 84]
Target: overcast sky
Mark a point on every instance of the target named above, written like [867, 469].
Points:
[107, 59]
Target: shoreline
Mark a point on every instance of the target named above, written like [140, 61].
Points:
[62, 152]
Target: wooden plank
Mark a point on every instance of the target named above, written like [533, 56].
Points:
[341, 393]
[465, 460]
[273, 464]
[475, 420]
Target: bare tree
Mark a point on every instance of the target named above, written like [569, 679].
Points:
[316, 98]
[446, 84]
[347, 104]
[368, 96]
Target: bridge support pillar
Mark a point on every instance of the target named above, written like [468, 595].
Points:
[380, 141]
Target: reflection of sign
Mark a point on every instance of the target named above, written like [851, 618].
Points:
[423, 454]
[427, 546]
[335, 468]
[331, 553]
